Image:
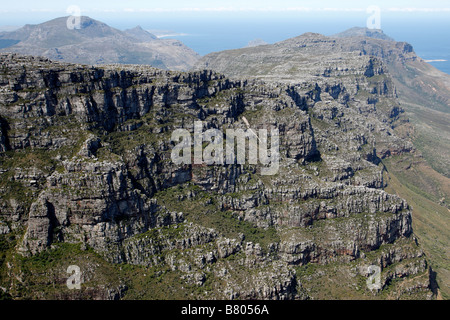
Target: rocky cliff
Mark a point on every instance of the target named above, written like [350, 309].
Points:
[87, 179]
[422, 91]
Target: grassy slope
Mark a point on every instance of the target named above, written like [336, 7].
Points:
[424, 179]
[424, 93]
[413, 180]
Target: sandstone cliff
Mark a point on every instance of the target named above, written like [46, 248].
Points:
[87, 179]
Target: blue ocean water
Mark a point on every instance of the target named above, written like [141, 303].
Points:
[429, 37]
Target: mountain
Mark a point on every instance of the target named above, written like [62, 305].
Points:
[288, 60]
[421, 176]
[141, 34]
[97, 43]
[363, 32]
[88, 179]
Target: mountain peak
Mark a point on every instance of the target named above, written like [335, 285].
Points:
[141, 34]
[363, 32]
[55, 32]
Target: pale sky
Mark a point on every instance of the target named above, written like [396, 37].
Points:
[90, 6]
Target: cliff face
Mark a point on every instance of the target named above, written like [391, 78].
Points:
[422, 90]
[86, 159]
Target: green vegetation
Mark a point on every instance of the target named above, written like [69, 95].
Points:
[169, 253]
[44, 276]
[422, 187]
[204, 209]
[432, 137]
[343, 281]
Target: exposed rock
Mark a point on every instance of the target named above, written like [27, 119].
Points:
[89, 149]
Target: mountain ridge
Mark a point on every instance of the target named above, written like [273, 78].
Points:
[88, 177]
[141, 34]
[422, 91]
[363, 32]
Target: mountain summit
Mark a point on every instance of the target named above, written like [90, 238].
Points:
[141, 34]
[363, 32]
[97, 43]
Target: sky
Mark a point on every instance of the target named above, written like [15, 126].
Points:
[210, 5]
[18, 13]
[30, 8]
[157, 14]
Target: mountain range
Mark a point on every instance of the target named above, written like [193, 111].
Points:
[97, 43]
[87, 176]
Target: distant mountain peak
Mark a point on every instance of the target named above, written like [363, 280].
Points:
[140, 34]
[94, 42]
[363, 32]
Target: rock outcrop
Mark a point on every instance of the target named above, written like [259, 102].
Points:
[86, 159]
